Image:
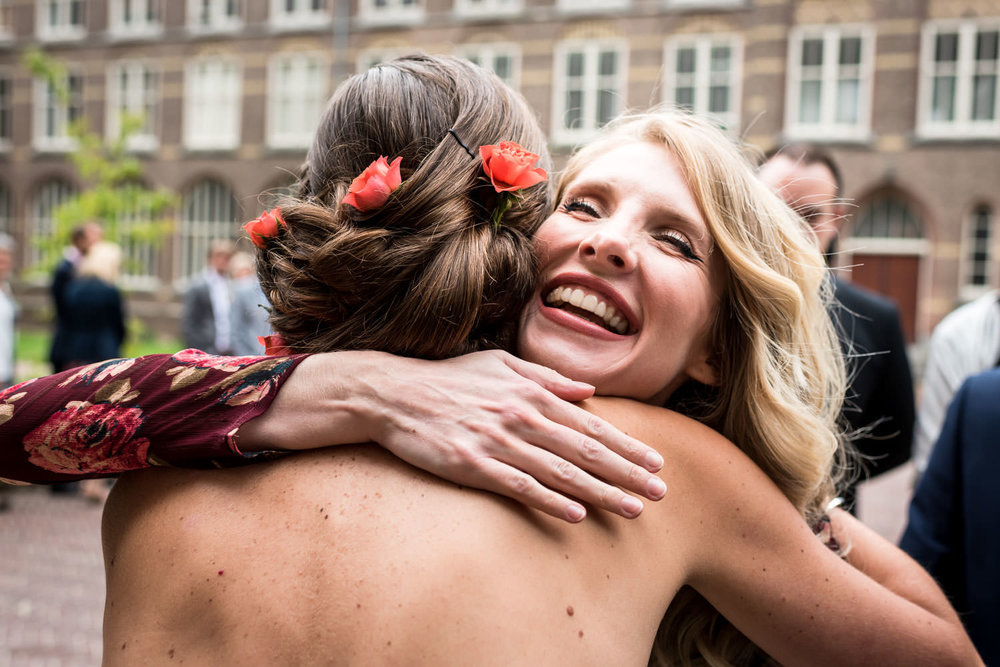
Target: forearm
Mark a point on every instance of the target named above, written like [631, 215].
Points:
[128, 414]
[889, 566]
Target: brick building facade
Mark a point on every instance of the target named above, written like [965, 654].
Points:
[902, 92]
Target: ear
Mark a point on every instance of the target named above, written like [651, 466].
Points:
[703, 370]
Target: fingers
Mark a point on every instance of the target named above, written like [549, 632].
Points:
[517, 485]
[558, 384]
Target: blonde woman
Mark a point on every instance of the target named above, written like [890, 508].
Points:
[352, 555]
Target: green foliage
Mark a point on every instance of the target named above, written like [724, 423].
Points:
[114, 193]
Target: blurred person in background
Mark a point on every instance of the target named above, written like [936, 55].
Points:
[82, 238]
[95, 314]
[8, 311]
[879, 405]
[954, 529]
[249, 307]
[964, 343]
[205, 323]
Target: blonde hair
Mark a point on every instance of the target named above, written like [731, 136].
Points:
[103, 261]
[775, 351]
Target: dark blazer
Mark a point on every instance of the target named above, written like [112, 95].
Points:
[954, 526]
[880, 386]
[198, 319]
[95, 321]
[61, 279]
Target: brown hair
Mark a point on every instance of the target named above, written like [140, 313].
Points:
[427, 274]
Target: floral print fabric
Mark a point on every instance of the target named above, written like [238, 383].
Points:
[125, 414]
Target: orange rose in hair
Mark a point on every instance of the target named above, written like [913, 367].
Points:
[510, 167]
[265, 227]
[372, 188]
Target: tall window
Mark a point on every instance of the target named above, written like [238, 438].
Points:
[502, 59]
[42, 223]
[135, 18]
[210, 213]
[133, 90]
[141, 259]
[55, 109]
[702, 73]
[390, 11]
[475, 8]
[212, 99]
[296, 94]
[6, 110]
[60, 19]
[214, 15]
[829, 82]
[589, 87]
[959, 64]
[6, 226]
[299, 14]
[979, 263]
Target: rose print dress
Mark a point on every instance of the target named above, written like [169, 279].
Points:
[124, 414]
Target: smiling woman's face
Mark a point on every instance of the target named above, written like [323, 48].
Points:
[629, 283]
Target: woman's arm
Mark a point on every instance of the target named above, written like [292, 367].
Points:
[486, 420]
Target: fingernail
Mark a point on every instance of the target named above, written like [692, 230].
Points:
[575, 513]
[631, 505]
[656, 488]
[654, 461]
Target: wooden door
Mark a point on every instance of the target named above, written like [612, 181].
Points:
[894, 276]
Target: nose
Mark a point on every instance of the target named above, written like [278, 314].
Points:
[609, 248]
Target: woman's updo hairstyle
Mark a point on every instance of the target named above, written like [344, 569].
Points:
[427, 274]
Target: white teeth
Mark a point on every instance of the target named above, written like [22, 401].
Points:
[589, 302]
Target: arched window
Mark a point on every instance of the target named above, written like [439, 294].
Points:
[45, 248]
[978, 237]
[210, 213]
[888, 217]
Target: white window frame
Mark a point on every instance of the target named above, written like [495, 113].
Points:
[44, 104]
[142, 25]
[488, 8]
[486, 54]
[224, 134]
[63, 29]
[49, 196]
[588, 6]
[219, 19]
[591, 50]
[137, 99]
[306, 94]
[303, 16]
[394, 13]
[963, 126]
[968, 290]
[703, 78]
[828, 128]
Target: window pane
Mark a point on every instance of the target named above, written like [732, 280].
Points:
[812, 52]
[720, 58]
[605, 106]
[575, 67]
[574, 109]
[718, 99]
[809, 102]
[943, 98]
[986, 45]
[502, 67]
[607, 63]
[983, 97]
[848, 92]
[685, 61]
[684, 97]
[946, 47]
[850, 51]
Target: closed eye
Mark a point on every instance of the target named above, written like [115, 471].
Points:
[580, 206]
[679, 241]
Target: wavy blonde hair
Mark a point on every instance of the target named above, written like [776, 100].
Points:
[779, 364]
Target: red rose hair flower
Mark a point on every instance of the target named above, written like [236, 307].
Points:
[510, 167]
[372, 188]
[265, 227]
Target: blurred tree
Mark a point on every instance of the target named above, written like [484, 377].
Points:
[114, 192]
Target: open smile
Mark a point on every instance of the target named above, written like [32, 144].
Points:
[585, 302]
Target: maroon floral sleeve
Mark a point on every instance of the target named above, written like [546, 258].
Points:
[125, 414]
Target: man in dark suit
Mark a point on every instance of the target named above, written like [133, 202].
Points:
[953, 530]
[205, 324]
[82, 238]
[879, 405]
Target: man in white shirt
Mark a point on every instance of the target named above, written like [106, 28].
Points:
[964, 343]
[8, 311]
